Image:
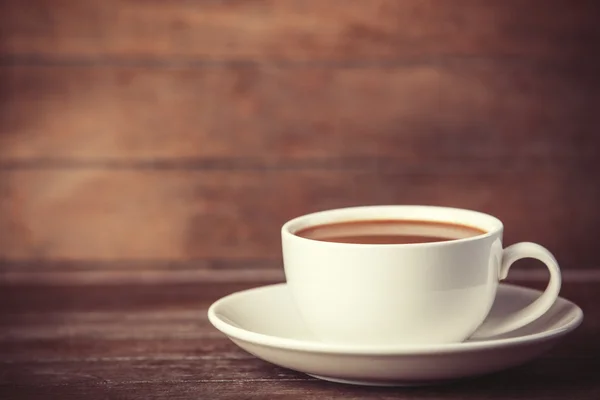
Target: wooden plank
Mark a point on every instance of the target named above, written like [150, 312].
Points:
[95, 364]
[93, 348]
[111, 312]
[17, 273]
[542, 383]
[183, 215]
[510, 386]
[178, 314]
[298, 30]
[109, 325]
[130, 117]
[542, 379]
[36, 306]
[45, 274]
[42, 305]
[49, 329]
[130, 371]
[204, 347]
[74, 301]
[201, 372]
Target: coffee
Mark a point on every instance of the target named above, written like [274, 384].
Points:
[389, 232]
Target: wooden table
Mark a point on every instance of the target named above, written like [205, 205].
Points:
[141, 141]
[153, 340]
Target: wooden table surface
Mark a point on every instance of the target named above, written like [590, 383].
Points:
[150, 151]
[142, 340]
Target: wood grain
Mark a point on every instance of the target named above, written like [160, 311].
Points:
[134, 341]
[104, 321]
[254, 117]
[150, 151]
[273, 30]
[545, 383]
[178, 215]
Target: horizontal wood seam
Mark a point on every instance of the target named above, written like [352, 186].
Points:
[168, 62]
[58, 265]
[105, 382]
[266, 275]
[485, 163]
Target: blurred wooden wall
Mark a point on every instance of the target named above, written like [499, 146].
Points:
[147, 137]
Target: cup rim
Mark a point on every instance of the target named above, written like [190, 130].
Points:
[286, 229]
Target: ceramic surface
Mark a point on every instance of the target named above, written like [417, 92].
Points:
[424, 293]
[265, 322]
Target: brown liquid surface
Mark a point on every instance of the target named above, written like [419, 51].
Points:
[389, 232]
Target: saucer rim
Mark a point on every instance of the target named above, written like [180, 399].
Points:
[262, 339]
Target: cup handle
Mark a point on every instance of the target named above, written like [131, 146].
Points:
[541, 305]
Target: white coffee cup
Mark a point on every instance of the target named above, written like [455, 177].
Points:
[406, 294]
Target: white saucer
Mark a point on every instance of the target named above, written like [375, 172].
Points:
[265, 322]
